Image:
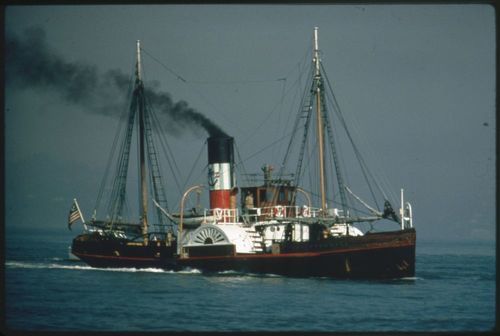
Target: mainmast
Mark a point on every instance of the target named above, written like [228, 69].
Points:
[140, 104]
[319, 118]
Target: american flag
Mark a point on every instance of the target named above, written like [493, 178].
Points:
[74, 215]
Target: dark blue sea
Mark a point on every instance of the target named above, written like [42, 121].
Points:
[454, 290]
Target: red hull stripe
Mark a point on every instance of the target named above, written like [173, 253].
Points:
[299, 254]
[114, 257]
[253, 256]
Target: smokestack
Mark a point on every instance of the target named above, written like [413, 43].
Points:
[220, 171]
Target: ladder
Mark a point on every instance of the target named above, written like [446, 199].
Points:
[154, 169]
[255, 238]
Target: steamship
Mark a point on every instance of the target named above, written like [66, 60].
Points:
[267, 225]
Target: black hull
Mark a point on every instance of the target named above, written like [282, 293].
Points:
[387, 263]
[373, 256]
[112, 252]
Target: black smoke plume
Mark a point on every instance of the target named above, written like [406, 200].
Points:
[31, 64]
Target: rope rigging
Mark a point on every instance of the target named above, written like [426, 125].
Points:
[364, 167]
[192, 86]
[302, 122]
[117, 200]
[110, 157]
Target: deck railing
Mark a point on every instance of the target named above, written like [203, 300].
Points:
[219, 215]
[252, 215]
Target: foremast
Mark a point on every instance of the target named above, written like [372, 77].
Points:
[322, 122]
[319, 121]
[139, 90]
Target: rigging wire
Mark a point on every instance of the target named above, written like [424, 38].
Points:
[228, 82]
[284, 94]
[265, 120]
[116, 201]
[264, 148]
[336, 163]
[316, 195]
[155, 176]
[295, 84]
[232, 82]
[160, 131]
[170, 158]
[361, 161]
[240, 163]
[203, 146]
[179, 77]
[156, 188]
[295, 128]
[194, 89]
[273, 110]
[342, 163]
[363, 166]
[366, 173]
[118, 132]
[191, 84]
[298, 84]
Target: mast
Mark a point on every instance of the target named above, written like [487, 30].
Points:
[319, 118]
[140, 105]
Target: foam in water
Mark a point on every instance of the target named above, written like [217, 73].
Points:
[189, 270]
[20, 264]
[413, 278]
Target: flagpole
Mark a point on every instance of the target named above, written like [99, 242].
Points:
[80, 212]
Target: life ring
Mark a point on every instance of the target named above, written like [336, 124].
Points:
[218, 213]
[305, 211]
[278, 211]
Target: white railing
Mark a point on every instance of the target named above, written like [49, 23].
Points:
[293, 212]
[277, 212]
[218, 215]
